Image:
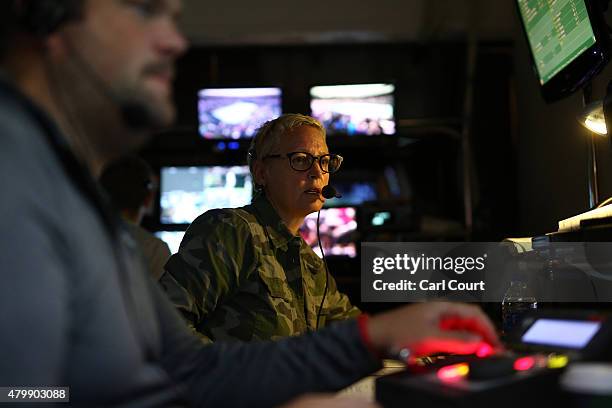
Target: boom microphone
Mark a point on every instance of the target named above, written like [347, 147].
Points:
[330, 192]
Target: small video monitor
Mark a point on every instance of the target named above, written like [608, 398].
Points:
[187, 192]
[381, 218]
[236, 113]
[570, 334]
[172, 238]
[337, 227]
[353, 193]
[364, 109]
[568, 41]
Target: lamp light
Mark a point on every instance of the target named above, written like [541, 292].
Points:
[593, 118]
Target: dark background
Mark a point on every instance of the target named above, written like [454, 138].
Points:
[528, 159]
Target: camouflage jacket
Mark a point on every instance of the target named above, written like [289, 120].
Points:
[241, 275]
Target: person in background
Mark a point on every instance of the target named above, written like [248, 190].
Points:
[130, 184]
[245, 274]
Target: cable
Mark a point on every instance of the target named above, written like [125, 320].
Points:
[605, 202]
[326, 271]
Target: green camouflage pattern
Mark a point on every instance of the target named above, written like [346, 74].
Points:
[240, 275]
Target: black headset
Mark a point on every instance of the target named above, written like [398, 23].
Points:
[43, 17]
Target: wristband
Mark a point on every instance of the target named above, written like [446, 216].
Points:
[362, 324]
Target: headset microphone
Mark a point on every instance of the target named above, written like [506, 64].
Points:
[330, 192]
[327, 192]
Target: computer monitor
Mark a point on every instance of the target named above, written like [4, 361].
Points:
[364, 109]
[337, 228]
[236, 113]
[187, 192]
[172, 238]
[568, 43]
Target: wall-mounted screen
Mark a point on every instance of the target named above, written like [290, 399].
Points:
[337, 227]
[187, 192]
[364, 109]
[353, 193]
[172, 238]
[236, 113]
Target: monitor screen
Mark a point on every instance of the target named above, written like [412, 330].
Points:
[235, 113]
[353, 193]
[381, 218]
[558, 32]
[172, 238]
[568, 43]
[365, 109]
[337, 227]
[187, 192]
[573, 334]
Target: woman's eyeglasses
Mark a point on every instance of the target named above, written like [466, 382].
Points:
[302, 161]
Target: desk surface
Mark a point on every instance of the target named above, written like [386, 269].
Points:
[365, 388]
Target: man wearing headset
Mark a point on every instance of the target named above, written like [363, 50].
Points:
[83, 82]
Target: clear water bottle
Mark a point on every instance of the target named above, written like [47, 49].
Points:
[518, 301]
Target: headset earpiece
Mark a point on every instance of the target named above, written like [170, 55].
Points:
[43, 17]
